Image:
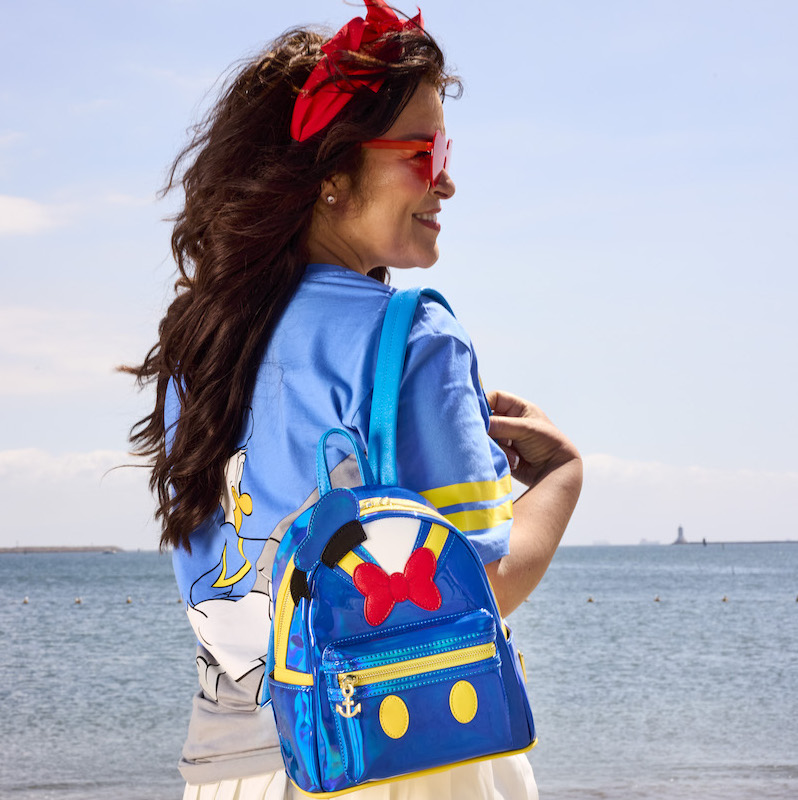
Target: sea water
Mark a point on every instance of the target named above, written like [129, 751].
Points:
[654, 673]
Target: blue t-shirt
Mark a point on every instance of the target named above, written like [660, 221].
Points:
[318, 373]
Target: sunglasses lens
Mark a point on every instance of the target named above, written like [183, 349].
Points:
[441, 156]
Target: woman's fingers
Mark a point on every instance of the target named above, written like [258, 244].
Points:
[512, 428]
[530, 440]
[505, 404]
[513, 459]
[510, 405]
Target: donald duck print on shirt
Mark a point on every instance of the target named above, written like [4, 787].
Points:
[229, 604]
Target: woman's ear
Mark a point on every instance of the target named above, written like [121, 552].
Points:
[334, 190]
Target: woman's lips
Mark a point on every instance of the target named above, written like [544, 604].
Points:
[428, 220]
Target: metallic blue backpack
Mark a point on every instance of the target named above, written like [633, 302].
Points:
[388, 656]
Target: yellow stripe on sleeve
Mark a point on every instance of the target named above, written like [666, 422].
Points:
[481, 518]
[474, 492]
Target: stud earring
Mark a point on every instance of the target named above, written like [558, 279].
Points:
[330, 199]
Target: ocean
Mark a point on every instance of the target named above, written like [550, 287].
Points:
[655, 673]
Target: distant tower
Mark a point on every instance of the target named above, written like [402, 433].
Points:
[680, 538]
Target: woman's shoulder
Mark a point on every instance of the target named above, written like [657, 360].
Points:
[333, 280]
[341, 291]
[434, 320]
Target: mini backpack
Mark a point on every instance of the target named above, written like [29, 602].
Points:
[388, 656]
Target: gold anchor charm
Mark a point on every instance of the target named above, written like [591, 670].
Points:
[348, 688]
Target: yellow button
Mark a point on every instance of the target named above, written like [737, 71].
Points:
[463, 701]
[394, 716]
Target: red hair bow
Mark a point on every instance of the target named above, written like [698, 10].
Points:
[383, 591]
[313, 110]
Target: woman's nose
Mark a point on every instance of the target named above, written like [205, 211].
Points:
[445, 188]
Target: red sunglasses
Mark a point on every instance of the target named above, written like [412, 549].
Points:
[439, 148]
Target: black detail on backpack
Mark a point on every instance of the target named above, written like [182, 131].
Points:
[343, 541]
[299, 586]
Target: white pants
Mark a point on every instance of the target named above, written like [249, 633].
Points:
[507, 778]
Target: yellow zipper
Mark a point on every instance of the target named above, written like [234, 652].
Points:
[417, 666]
[374, 505]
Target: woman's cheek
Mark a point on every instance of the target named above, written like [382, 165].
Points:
[420, 168]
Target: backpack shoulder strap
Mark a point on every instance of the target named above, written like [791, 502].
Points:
[387, 378]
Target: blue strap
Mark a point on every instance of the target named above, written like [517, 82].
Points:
[388, 376]
[323, 469]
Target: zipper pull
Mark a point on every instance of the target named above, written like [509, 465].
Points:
[348, 689]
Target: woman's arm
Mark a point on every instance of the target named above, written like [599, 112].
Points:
[547, 462]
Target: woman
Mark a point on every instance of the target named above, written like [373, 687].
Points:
[322, 163]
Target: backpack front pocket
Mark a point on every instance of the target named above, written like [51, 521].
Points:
[412, 698]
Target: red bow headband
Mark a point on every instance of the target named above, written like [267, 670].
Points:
[316, 108]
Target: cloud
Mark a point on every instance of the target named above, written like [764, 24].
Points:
[75, 498]
[10, 138]
[624, 501]
[52, 352]
[35, 466]
[22, 216]
[129, 200]
[99, 104]
[79, 498]
[612, 469]
[190, 85]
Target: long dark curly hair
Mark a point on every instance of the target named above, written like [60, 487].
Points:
[239, 244]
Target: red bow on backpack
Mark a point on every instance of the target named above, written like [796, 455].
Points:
[313, 110]
[383, 591]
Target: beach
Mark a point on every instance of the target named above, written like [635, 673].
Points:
[655, 673]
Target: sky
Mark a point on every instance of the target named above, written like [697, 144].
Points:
[622, 246]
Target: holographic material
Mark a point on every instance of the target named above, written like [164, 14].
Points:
[335, 734]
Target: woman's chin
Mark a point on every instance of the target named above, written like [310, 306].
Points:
[421, 260]
[429, 259]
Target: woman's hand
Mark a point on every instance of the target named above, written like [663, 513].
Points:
[544, 459]
[534, 446]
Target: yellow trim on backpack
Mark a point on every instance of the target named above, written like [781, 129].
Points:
[420, 774]
[283, 614]
[350, 562]
[472, 492]
[292, 676]
[420, 665]
[375, 505]
[436, 539]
